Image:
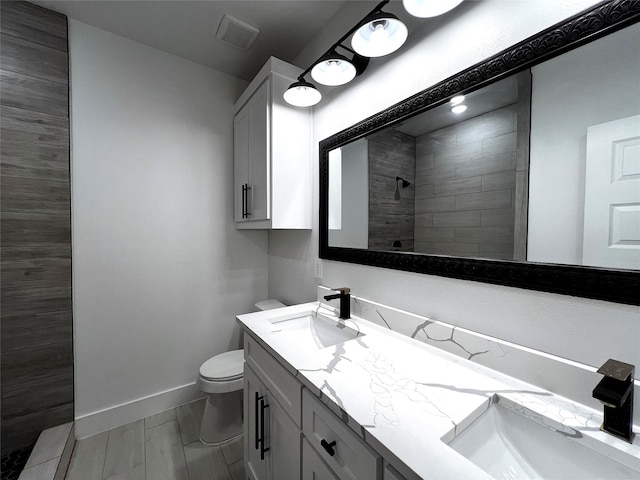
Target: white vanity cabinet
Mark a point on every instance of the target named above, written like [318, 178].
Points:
[272, 153]
[313, 466]
[348, 457]
[271, 416]
[272, 441]
[289, 433]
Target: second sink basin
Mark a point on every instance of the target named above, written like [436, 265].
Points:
[314, 330]
[508, 445]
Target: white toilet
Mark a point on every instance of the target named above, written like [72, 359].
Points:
[221, 378]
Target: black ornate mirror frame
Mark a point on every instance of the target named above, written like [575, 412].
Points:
[622, 286]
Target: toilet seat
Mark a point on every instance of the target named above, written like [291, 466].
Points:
[223, 367]
[223, 373]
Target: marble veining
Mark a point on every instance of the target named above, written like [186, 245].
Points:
[552, 373]
[407, 399]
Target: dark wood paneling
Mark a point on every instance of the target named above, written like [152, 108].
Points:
[17, 399]
[23, 160]
[23, 331]
[31, 93]
[35, 196]
[34, 23]
[34, 59]
[34, 228]
[34, 128]
[34, 362]
[35, 225]
[22, 431]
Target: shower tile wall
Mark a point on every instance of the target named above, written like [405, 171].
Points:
[391, 154]
[465, 187]
[35, 240]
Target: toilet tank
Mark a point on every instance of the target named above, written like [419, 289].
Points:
[269, 304]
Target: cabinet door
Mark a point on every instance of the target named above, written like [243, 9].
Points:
[313, 468]
[391, 473]
[348, 456]
[240, 163]
[272, 439]
[258, 113]
[255, 467]
[284, 443]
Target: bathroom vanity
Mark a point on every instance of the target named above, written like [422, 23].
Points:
[351, 399]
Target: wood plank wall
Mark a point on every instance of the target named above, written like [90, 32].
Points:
[465, 187]
[35, 239]
[391, 154]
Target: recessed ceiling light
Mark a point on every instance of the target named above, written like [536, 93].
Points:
[459, 108]
[457, 100]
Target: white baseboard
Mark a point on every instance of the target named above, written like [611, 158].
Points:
[118, 415]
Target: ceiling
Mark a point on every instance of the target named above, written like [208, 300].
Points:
[487, 99]
[188, 28]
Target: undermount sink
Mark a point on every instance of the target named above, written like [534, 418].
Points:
[314, 330]
[508, 445]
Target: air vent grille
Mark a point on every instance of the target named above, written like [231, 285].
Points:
[237, 33]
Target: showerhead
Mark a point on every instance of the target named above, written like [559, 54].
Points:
[405, 183]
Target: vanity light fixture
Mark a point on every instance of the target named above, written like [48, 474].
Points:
[377, 34]
[429, 8]
[302, 94]
[333, 69]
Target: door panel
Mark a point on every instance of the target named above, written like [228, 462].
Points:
[612, 195]
[284, 442]
[240, 161]
[259, 153]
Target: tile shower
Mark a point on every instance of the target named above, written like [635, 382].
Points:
[36, 323]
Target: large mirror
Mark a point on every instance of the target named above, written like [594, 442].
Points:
[523, 170]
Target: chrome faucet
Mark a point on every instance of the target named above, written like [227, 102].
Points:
[345, 300]
[615, 392]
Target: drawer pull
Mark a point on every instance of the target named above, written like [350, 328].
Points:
[328, 446]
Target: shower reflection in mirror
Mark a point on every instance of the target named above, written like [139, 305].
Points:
[542, 166]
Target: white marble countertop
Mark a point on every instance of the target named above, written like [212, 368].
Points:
[404, 397]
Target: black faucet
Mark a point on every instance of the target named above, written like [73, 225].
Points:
[345, 300]
[615, 391]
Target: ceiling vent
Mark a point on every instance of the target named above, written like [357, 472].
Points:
[236, 33]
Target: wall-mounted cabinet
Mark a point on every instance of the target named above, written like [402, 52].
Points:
[272, 153]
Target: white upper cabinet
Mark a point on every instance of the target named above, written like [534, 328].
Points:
[272, 153]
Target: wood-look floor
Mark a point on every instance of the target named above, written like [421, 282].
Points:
[162, 447]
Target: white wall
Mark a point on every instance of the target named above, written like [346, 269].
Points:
[354, 203]
[562, 111]
[159, 270]
[580, 329]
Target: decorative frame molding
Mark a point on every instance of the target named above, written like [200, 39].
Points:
[621, 286]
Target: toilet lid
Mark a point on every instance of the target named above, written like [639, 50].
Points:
[225, 366]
